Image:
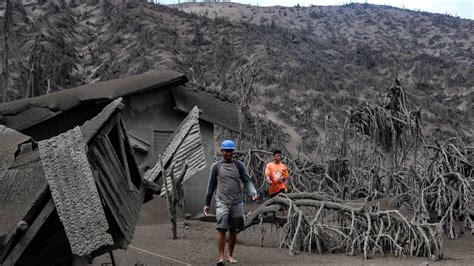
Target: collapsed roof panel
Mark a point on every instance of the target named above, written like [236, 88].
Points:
[74, 192]
[28, 117]
[122, 200]
[190, 150]
[115, 169]
[214, 110]
[21, 185]
[17, 114]
[185, 145]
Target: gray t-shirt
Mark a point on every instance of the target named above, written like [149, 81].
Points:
[228, 182]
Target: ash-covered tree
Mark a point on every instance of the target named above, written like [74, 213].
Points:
[7, 24]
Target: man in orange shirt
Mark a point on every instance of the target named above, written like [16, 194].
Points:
[276, 174]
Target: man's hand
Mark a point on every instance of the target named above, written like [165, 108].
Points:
[255, 197]
[268, 180]
[205, 210]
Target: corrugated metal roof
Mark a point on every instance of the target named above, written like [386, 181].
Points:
[189, 150]
[185, 145]
[214, 110]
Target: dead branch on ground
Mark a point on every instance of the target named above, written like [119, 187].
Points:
[316, 223]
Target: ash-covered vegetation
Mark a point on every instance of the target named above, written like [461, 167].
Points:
[312, 62]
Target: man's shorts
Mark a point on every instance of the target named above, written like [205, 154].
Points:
[229, 217]
[278, 192]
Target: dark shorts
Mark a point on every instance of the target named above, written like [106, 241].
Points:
[276, 193]
[229, 217]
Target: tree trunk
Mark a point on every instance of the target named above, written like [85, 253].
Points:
[389, 157]
[245, 99]
[172, 203]
[173, 196]
[6, 32]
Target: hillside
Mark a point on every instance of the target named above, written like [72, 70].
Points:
[355, 50]
[312, 64]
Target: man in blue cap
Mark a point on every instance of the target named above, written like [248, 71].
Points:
[226, 176]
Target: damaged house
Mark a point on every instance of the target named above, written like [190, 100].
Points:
[155, 105]
[71, 197]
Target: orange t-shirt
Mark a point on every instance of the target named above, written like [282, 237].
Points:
[275, 171]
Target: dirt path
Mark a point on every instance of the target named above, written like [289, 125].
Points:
[152, 245]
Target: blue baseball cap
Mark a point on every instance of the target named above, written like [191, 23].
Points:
[228, 145]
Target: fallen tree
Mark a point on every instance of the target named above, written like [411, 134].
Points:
[318, 222]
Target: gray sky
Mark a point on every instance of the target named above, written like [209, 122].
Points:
[461, 8]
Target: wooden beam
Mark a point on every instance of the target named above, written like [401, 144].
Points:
[109, 126]
[23, 243]
[110, 205]
[20, 230]
[28, 218]
[124, 156]
[106, 169]
[132, 162]
[111, 191]
[116, 173]
[107, 149]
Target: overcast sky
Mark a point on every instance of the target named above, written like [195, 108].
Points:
[461, 8]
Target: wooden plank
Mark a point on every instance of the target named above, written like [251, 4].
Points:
[108, 150]
[124, 157]
[17, 234]
[106, 130]
[108, 198]
[117, 173]
[29, 217]
[105, 168]
[132, 162]
[119, 216]
[20, 247]
[116, 184]
[111, 188]
[114, 188]
[110, 158]
[110, 125]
